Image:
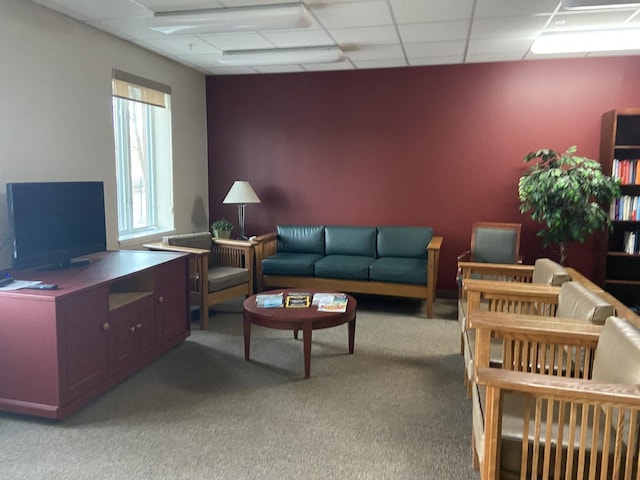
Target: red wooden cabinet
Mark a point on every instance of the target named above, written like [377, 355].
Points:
[60, 349]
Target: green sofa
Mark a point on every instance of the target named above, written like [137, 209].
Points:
[386, 260]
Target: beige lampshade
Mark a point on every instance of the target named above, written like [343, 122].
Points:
[241, 192]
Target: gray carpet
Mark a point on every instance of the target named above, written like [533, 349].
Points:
[396, 409]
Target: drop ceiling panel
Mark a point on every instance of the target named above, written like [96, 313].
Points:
[372, 33]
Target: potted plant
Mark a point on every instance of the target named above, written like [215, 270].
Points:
[568, 194]
[222, 228]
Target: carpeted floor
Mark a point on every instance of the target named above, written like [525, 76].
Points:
[396, 409]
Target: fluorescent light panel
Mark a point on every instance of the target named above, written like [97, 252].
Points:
[597, 4]
[236, 19]
[282, 56]
[587, 41]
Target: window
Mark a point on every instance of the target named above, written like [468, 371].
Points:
[142, 130]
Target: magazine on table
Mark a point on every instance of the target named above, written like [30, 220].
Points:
[298, 300]
[330, 302]
[270, 300]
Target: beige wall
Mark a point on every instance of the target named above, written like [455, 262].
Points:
[55, 111]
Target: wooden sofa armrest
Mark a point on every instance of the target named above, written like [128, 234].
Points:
[266, 245]
[514, 297]
[550, 345]
[581, 404]
[515, 272]
[433, 266]
[159, 246]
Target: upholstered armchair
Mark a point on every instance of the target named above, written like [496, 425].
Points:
[571, 300]
[565, 403]
[219, 269]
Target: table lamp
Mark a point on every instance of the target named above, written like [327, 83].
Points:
[241, 193]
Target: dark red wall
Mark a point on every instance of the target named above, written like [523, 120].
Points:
[438, 146]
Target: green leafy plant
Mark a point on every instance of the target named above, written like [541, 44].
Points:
[222, 225]
[568, 194]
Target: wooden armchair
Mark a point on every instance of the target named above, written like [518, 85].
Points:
[562, 383]
[494, 242]
[571, 300]
[219, 269]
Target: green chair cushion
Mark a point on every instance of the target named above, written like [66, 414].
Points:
[406, 242]
[286, 263]
[341, 240]
[495, 245]
[399, 270]
[350, 267]
[301, 239]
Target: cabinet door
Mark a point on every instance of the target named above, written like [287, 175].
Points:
[132, 333]
[84, 356]
[172, 300]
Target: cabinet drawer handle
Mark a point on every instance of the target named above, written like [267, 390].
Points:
[138, 326]
[105, 326]
[160, 299]
[132, 328]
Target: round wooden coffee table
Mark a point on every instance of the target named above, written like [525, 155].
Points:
[305, 319]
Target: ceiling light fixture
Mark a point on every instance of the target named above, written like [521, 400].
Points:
[597, 4]
[587, 41]
[282, 56]
[233, 19]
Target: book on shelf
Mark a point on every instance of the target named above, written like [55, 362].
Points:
[625, 208]
[626, 170]
[298, 300]
[330, 302]
[270, 300]
[631, 242]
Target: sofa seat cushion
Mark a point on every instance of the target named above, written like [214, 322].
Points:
[407, 242]
[225, 277]
[357, 241]
[301, 239]
[349, 267]
[285, 263]
[399, 270]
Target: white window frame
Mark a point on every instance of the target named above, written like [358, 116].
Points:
[137, 100]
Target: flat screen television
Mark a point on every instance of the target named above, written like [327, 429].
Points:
[55, 222]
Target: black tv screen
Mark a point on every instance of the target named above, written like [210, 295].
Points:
[53, 222]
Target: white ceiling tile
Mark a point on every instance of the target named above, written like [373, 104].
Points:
[375, 52]
[444, 60]
[434, 31]
[177, 5]
[435, 49]
[354, 14]
[101, 10]
[182, 45]
[362, 64]
[493, 46]
[237, 41]
[326, 67]
[279, 68]
[366, 35]
[514, 8]
[508, 27]
[298, 38]
[410, 11]
[372, 33]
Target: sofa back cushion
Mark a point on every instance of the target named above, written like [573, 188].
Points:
[617, 357]
[341, 240]
[549, 272]
[301, 239]
[577, 301]
[404, 242]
